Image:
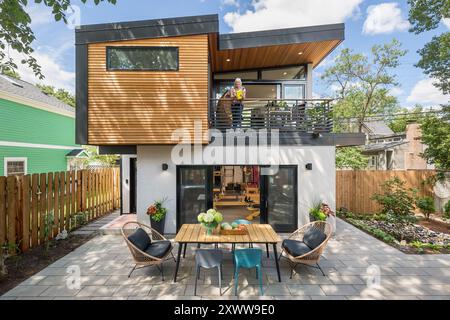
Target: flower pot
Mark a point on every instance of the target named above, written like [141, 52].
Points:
[158, 226]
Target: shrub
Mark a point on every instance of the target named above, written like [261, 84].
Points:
[395, 199]
[447, 210]
[426, 205]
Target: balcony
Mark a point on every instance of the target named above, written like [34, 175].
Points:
[287, 115]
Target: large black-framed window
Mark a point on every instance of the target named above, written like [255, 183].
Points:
[142, 58]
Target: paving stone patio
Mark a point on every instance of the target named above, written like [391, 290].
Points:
[349, 260]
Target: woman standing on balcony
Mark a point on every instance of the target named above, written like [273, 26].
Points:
[237, 94]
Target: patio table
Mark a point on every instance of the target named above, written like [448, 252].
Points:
[196, 234]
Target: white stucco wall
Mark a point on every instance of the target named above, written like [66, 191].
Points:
[153, 183]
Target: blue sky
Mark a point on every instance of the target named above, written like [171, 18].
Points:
[368, 22]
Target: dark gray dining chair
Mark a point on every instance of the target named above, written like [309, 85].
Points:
[208, 258]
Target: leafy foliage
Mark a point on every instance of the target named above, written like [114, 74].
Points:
[107, 160]
[447, 210]
[16, 33]
[317, 213]
[398, 123]
[435, 61]
[436, 135]
[157, 211]
[425, 15]
[61, 94]
[350, 158]
[395, 199]
[426, 205]
[377, 233]
[363, 83]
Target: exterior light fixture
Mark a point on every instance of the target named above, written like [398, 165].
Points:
[228, 59]
[316, 135]
[308, 166]
[165, 166]
[300, 53]
[284, 73]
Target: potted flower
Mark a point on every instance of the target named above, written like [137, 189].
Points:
[210, 220]
[157, 213]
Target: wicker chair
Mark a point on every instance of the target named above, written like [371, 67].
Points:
[141, 258]
[312, 257]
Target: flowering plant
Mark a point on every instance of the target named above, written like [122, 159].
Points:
[210, 219]
[157, 211]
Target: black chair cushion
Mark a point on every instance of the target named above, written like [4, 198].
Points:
[140, 239]
[158, 249]
[295, 248]
[314, 237]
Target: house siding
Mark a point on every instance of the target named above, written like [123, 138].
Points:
[20, 123]
[145, 107]
[38, 159]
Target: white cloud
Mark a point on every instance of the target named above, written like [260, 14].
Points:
[54, 71]
[396, 91]
[384, 18]
[446, 21]
[272, 14]
[231, 3]
[40, 15]
[424, 92]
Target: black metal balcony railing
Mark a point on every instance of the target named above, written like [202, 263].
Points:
[300, 115]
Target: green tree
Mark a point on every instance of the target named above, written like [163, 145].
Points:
[350, 158]
[16, 33]
[95, 157]
[61, 94]
[426, 15]
[11, 73]
[398, 123]
[436, 135]
[363, 82]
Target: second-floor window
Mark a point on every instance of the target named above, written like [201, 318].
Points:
[142, 58]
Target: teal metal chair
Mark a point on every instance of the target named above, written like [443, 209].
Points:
[241, 221]
[248, 258]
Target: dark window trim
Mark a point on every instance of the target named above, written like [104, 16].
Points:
[177, 52]
[259, 72]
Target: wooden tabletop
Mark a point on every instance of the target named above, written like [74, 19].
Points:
[257, 233]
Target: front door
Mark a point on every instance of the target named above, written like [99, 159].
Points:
[279, 199]
[194, 192]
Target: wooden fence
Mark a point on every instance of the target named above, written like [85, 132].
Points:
[355, 188]
[39, 206]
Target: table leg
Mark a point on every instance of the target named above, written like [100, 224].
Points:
[180, 248]
[275, 255]
[184, 251]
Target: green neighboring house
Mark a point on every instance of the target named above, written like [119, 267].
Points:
[37, 131]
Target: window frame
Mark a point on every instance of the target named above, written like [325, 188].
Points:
[14, 159]
[109, 68]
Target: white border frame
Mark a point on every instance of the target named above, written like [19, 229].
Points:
[7, 159]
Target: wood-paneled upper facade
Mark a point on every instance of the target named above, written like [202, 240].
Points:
[118, 104]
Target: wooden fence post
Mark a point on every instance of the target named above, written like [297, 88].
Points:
[11, 209]
[25, 245]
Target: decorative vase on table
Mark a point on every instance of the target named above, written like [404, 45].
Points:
[157, 213]
[210, 220]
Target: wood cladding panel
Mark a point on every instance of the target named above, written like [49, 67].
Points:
[270, 56]
[145, 107]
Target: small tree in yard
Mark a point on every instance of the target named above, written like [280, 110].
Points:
[426, 205]
[350, 158]
[395, 199]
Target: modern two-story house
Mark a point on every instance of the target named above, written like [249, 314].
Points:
[155, 92]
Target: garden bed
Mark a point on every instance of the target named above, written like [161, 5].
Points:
[22, 266]
[421, 236]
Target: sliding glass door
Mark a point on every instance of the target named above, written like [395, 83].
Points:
[194, 192]
[279, 194]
